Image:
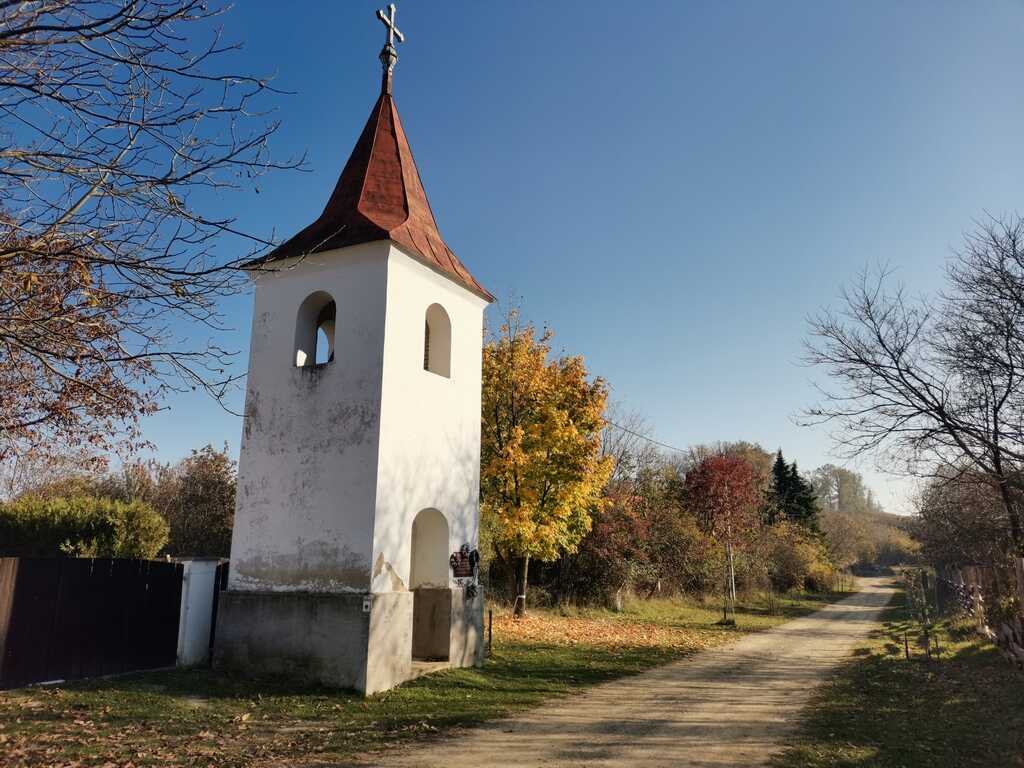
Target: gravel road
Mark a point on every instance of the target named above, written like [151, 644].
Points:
[729, 706]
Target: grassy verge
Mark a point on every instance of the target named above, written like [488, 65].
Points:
[964, 708]
[203, 718]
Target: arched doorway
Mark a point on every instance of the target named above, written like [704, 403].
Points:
[428, 580]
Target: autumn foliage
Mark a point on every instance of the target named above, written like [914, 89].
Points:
[64, 372]
[120, 126]
[542, 474]
[80, 526]
[722, 494]
[185, 509]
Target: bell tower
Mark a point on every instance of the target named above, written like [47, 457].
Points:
[360, 462]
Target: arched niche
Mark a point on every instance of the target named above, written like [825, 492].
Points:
[428, 565]
[428, 580]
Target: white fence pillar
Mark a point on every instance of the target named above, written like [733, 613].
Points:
[196, 611]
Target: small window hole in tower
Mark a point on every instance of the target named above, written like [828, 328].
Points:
[314, 331]
[437, 342]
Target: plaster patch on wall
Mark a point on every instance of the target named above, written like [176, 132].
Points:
[252, 412]
[319, 566]
[329, 429]
[382, 565]
[356, 424]
[261, 330]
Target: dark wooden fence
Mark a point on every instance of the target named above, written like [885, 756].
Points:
[220, 583]
[68, 618]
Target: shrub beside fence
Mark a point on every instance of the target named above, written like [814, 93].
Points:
[70, 618]
[977, 592]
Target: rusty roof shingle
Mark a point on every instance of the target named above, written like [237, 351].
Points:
[380, 196]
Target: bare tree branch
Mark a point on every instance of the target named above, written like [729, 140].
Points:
[934, 387]
[115, 128]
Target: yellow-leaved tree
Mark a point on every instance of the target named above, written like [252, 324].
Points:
[542, 473]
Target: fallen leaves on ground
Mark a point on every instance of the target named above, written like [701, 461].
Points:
[198, 719]
[551, 629]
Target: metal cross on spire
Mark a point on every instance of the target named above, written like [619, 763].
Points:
[388, 20]
[389, 54]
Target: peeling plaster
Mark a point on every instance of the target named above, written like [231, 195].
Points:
[397, 585]
[252, 412]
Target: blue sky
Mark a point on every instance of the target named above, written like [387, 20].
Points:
[672, 186]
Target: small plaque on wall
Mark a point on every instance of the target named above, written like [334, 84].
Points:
[464, 562]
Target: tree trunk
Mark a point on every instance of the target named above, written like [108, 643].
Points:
[508, 571]
[1012, 513]
[521, 583]
[566, 592]
[725, 591]
[616, 602]
[732, 578]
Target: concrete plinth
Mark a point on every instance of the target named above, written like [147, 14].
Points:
[389, 660]
[330, 639]
[321, 638]
[466, 647]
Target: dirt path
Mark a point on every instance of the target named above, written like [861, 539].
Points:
[730, 706]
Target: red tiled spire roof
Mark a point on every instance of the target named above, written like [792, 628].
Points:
[380, 197]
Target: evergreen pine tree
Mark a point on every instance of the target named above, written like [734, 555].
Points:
[802, 504]
[778, 494]
[790, 496]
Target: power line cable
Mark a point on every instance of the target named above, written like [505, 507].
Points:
[644, 437]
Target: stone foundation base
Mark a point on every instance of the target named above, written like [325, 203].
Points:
[330, 639]
[466, 647]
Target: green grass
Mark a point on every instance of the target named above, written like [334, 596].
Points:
[963, 709]
[752, 612]
[202, 718]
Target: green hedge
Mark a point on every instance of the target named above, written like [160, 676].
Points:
[80, 526]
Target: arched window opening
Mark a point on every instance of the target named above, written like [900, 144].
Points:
[437, 341]
[325, 334]
[323, 347]
[314, 330]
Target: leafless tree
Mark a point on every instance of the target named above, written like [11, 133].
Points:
[117, 129]
[933, 387]
[628, 438]
[962, 520]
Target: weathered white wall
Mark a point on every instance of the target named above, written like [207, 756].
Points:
[429, 424]
[196, 611]
[308, 467]
[338, 459]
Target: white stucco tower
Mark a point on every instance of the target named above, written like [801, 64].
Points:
[359, 470]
